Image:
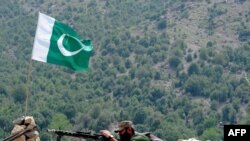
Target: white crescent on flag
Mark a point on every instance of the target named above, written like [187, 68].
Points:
[64, 51]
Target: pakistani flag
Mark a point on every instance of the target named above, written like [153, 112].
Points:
[57, 43]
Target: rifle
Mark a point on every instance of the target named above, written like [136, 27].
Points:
[16, 135]
[84, 135]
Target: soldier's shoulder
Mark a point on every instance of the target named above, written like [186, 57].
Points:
[140, 137]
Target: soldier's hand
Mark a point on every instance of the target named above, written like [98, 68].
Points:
[105, 133]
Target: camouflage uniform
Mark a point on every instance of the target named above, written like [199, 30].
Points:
[147, 136]
[25, 123]
[138, 137]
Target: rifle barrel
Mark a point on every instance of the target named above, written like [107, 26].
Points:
[85, 135]
[16, 135]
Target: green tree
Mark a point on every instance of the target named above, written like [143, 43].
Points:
[96, 110]
[246, 120]
[19, 94]
[189, 58]
[162, 24]
[213, 134]
[198, 116]
[229, 114]
[128, 64]
[220, 93]
[210, 122]
[196, 85]
[220, 59]
[59, 121]
[174, 62]
[193, 69]
[203, 54]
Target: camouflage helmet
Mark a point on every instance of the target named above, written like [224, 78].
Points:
[124, 124]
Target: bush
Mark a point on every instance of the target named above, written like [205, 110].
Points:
[174, 62]
[162, 25]
[244, 35]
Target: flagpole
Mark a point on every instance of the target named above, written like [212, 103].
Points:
[28, 76]
[27, 87]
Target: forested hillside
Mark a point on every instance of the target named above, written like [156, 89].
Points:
[176, 68]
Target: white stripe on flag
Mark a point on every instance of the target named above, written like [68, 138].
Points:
[42, 38]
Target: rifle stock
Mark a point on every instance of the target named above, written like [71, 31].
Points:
[85, 135]
[16, 135]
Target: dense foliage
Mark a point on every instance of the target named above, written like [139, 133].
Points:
[140, 71]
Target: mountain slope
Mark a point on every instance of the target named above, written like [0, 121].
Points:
[175, 68]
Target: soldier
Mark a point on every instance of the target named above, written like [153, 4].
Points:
[127, 132]
[27, 127]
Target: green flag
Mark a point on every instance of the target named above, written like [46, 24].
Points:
[57, 43]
